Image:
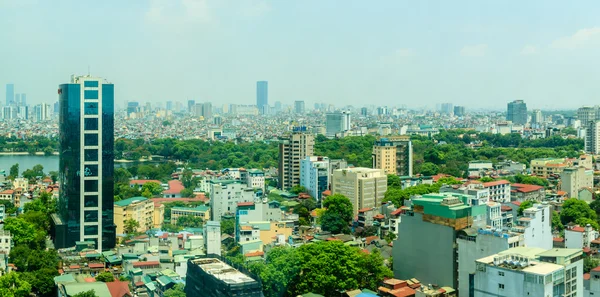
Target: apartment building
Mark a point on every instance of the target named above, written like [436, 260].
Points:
[525, 192]
[545, 167]
[201, 211]
[499, 190]
[536, 226]
[573, 179]
[314, 175]
[140, 209]
[394, 155]
[577, 237]
[253, 178]
[530, 271]
[225, 196]
[292, 150]
[365, 187]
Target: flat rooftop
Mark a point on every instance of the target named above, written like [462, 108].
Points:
[223, 271]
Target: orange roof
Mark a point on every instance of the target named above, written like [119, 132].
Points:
[365, 209]
[96, 265]
[597, 269]
[558, 239]
[524, 188]
[403, 292]
[396, 212]
[175, 187]
[326, 193]
[74, 267]
[577, 229]
[250, 203]
[146, 263]
[586, 276]
[369, 239]
[246, 227]
[119, 289]
[561, 193]
[379, 216]
[496, 183]
[89, 280]
[7, 192]
[255, 254]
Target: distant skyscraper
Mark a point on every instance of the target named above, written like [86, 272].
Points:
[586, 114]
[17, 100]
[207, 110]
[23, 99]
[336, 123]
[517, 112]
[536, 117]
[85, 204]
[277, 106]
[191, 105]
[262, 96]
[169, 105]
[133, 107]
[459, 111]
[41, 112]
[447, 108]
[364, 112]
[10, 94]
[299, 107]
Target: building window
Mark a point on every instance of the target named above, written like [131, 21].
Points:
[501, 273]
[90, 139]
[90, 84]
[91, 108]
[501, 286]
[91, 155]
[90, 124]
[90, 94]
[91, 216]
[91, 200]
[91, 186]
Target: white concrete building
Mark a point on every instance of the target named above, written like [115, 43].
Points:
[259, 211]
[253, 178]
[5, 241]
[225, 195]
[499, 190]
[578, 237]
[475, 244]
[592, 285]
[536, 226]
[212, 237]
[526, 271]
[314, 175]
[592, 137]
[365, 187]
[478, 168]
[573, 179]
[494, 215]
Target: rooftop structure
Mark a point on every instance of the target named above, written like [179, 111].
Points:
[212, 277]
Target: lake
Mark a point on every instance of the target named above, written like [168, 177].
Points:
[50, 163]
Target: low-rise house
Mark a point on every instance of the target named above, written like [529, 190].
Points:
[577, 237]
[174, 190]
[499, 190]
[525, 192]
[201, 211]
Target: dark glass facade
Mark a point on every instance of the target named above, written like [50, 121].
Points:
[97, 135]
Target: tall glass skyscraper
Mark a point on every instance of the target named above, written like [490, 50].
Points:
[516, 112]
[85, 205]
[10, 94]
[262, 96]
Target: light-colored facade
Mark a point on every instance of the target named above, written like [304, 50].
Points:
[212, 237]
[6, 242]
[225, 195]
[394, 155]
[592, 137]
[587, 114]
[475, 244]
[527, 271]
[499, 190]
[253, 178]
[546, 166]
[577, 237]
[536, 226]
[139, 209]
[267, 232]
[336, 123]
[292, 150]
[201, 211]
[259, 210]
[314, 175]
[22, 183]
[365, 187]
[573, 179]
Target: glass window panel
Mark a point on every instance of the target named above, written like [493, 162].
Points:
[91, 155]
[90, 124]
[91, 139]
[91, 108]
[90, 216]
[90, 94]
[90, 170]
[91, 200]
[91, 186]
[90, 230]
[91, 84]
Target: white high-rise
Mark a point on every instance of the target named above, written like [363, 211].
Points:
[592, 137]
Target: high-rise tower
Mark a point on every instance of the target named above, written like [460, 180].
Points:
[262, 96]
[10, 94]
[517, 112]
[85, 204]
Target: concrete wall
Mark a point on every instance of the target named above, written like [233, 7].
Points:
[425, 251]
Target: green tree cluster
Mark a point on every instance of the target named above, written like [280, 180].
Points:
[31, 144]
[324, 268]
[338, 214]
[105, 277]
[578, 212]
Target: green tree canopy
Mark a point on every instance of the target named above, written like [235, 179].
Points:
[12, 285]
[25, 233]
[90, 293]
[393, 180]
[429, 169]
[227, 226]
[574, 210]
[338, 214]
[14, 170]
[154, 188]
[105, 277]
[175, 291]
[524, 205]
[131, 226]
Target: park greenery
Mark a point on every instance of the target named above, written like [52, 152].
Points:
[29, 145]
[323, 268]
[338, 214]
[397, 195]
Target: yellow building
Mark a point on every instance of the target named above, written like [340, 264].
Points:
[365, 187]
[544, 167]
[267, 231]
[384, 157]
[140, 209]
[394, 155]
[159, 215]
[201, 211]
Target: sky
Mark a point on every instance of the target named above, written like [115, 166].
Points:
[480, 54]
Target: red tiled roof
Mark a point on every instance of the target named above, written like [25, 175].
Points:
[7, 192]
[496, 183]
[558, 239]
[74, 267]
[96, 265]
[561, 193]
[524, 188]
[255, 254]
[577, 229]
[89, 280]
[139, 284]
[146, 263]
[365, 209]
[396, 212]
[118, 289]
[597, 269]
[403, 292]
[250, 203]
[586, 276]
[369, 239]
[326, 193]
[143, 181]
[517, 203]
[505, 208]
[378, 216]
[175, 187]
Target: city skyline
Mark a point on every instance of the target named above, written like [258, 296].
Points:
[484, 59]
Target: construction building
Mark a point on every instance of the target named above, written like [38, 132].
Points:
[394, 155]
[365, 187]
[292, 150]
[212, 276]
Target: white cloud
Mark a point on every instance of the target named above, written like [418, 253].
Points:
[529, 50]
[474, 50]
[581, 38]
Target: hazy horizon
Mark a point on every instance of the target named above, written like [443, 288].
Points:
[420, 53]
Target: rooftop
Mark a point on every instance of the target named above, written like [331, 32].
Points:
[126, 202]
[202, 208]
[222, 271]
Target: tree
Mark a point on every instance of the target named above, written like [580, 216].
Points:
[486, 179]
[187, 193]
[146, 193]
[585, 221]
[189, 221]
[590, 263]
[122, 176]
[25, 233]
[390, 236]
[90, 293]
[188, 180]
[557, 225]
[575, 209]
[393, 180]
[524, 205]
[53, 176]
[131, 226]
[11, 285]
[154, 188]
[228, 227]
[31, 260]
[175, 291]
[338, 214]
[429, 169]
[14, 170]
[105, 277]
[298, 189]
[42, 281]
